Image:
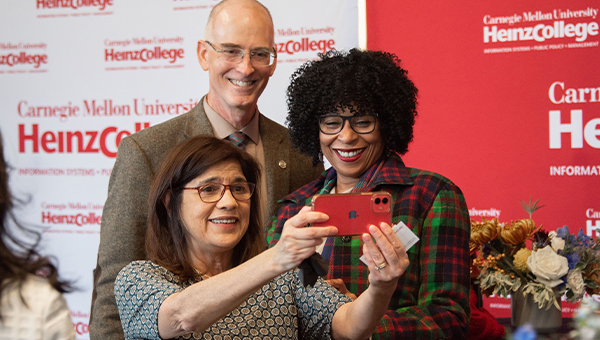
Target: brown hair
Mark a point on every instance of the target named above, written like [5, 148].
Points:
[166, 244]
[19, 258]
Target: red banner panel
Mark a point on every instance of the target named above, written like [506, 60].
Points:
[509, 103]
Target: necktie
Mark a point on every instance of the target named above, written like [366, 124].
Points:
[328, 248]
[238, 139]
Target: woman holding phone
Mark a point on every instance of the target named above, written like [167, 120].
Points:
[358, 110]
[208, 275]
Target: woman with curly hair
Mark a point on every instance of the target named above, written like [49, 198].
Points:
[358, 110]
[31, 304]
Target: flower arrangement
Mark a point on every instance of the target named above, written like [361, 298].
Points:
[551, 265]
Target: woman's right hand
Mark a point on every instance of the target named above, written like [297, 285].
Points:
[298, 242]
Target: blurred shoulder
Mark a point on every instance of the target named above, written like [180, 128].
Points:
[35, 291]
[37, 284]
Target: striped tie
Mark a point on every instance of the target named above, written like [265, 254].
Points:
[238, 139]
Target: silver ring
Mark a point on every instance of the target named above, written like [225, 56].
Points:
[383, 265]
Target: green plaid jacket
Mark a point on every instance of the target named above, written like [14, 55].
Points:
[432, 297]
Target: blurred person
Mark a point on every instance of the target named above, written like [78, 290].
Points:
[208, 274]
[31, 302]
[239, 54]
[358, 110]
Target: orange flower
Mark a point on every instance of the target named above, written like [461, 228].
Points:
[518, 231]
[483, 232]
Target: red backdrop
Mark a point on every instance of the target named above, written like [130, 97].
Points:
[485, 107]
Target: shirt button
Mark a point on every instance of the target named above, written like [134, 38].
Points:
[282, 164]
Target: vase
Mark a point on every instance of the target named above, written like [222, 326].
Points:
[524, 310]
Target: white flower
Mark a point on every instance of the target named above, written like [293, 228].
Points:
[547, 266]
[556, 242]
[576, 283]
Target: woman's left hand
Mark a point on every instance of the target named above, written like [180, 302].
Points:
[386, 257]
[387, 260]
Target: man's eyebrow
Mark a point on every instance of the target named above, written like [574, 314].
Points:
[231, 45]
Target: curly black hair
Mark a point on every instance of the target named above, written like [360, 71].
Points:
[364, 82]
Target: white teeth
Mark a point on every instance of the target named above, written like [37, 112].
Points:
[349, 154]
[223, 221]
[240, 83]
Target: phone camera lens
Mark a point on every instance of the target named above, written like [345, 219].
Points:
[385, 200]
[377, 200]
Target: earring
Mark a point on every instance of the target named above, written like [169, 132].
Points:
[320, 156]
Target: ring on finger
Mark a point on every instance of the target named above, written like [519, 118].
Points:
[381, 266]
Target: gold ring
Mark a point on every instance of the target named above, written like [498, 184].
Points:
[383, 265]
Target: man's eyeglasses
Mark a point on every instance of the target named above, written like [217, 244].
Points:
[213, 192]
[333, 124]
[260, 57]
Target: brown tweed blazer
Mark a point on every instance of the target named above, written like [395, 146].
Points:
[123, 228]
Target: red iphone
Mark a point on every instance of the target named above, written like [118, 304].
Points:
[352, 214]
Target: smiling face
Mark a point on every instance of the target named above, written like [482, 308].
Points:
[234, 88]
[214, 229]
[350, 153]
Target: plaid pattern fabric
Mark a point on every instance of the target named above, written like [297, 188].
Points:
[238, 139]
[432, 297]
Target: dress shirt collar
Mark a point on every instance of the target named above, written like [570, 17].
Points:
[222, 128]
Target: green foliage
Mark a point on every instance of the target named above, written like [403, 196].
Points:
[531, 207]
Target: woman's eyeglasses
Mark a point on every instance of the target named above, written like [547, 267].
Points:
[333, 124]
[213, 192]
[258, 57]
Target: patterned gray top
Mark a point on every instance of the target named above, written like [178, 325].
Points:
[281, 309]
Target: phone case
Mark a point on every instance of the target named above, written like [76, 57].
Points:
[352, 214]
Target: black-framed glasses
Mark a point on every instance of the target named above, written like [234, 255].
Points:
[333, 124]
[258, 57]
[213, 192]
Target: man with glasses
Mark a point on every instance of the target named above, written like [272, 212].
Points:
[238, 53]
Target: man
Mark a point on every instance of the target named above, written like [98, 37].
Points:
[239, 55]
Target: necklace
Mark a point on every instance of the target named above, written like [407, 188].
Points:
[202, 275]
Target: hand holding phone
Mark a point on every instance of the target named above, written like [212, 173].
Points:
[353, 213]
